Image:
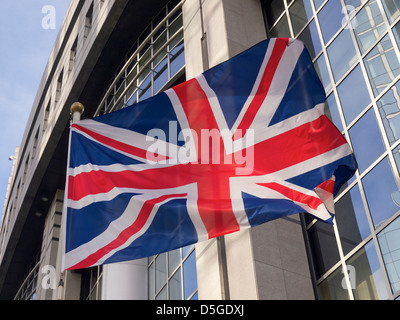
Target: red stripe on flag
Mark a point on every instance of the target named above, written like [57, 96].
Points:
[297, 145]
[98, 181]
[195, 104]
[121, 146]
[310, 201]
[262, 91]
[127, 233]
[214, 203]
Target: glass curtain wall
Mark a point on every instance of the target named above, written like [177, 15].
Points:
[156, 60]
[172, 275]
[354, 45]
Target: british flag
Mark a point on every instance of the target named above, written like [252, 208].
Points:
[241, 144]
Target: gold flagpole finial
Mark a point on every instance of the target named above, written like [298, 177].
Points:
[77, 109]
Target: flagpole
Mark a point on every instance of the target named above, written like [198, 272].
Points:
[77, 110]
[221, 249]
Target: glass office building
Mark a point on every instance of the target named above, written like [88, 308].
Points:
[355, 48]
[117, 53]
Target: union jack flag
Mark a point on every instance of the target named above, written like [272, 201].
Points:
[241, 144]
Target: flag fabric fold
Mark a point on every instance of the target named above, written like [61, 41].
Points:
[244, 143]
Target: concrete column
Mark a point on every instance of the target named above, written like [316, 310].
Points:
[47, 284]
[230, 26]
[125, 280]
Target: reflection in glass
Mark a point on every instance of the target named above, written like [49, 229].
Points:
[353, 104]
[300, 13]
[389, 241]
[189, 275]
[151, 281]
[311, 40]
[342, 54]
[173, 260]
[379, 185]
[367, 279]
[163, 294]
[175, 286]
[273, 11]
[351, 219]
[392, 9]
[333, 287]
[354, 3]
[389, 110]
[330, 19]
[145, 89]
[160, 75]
[281, 30]
[332, 112]
[368, 25]
[322, 70]
[382, 65]
[186, 250]
[364, 134]
[318, 3]
[396, 33]
[177, 59]
[396, 155]
[323, 246]
[161, 271]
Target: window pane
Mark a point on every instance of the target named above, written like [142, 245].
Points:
[145, 89]
[324, 247]
[396, 32]
[163, 294]
[389, 241]
[353, 104]
[333, 287]
[330, 19]
[379, 185]
[354, 3]
[396, 154]
[368, 26]
[342, 54]
[177, 59]
[273, 10]
[351, 219]
[173, 260]
[300, 13]
[158, 44]
[318, 3]
[392, 9]
[151, 281]
[281, 30]
[175, 286]
[161, 271]
[367, 279]
[195, 296]
[186, 250]
[322, 70]
[331, 110]
[190, 275]
[389, 109]
[364, 134]
[382, 65]
[160, 75]
[311, 40]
